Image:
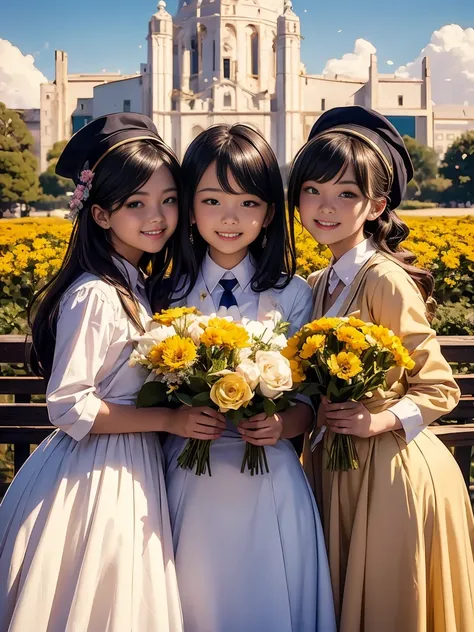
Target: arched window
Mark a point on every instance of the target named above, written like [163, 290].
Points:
[253, 52]
[197, 129]
[194, 56]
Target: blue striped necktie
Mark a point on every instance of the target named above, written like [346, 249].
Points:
[227, 298]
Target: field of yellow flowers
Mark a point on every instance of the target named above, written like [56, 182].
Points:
[32, 249]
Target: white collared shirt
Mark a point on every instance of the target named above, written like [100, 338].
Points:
[243, 272]
[92, 350]
[346, 269]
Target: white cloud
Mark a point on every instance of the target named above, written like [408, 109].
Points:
[451, 53]
[19, 78]
[354, 65]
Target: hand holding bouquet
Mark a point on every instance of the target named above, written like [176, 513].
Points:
[197, 360]
[344, 359]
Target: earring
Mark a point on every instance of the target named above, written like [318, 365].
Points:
[265, 240]
[191, 236]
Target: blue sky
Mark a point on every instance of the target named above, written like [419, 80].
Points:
[106, 34]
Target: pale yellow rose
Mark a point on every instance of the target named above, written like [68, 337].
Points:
[231, 392]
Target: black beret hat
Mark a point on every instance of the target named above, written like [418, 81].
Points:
[94, 141]
[376, 131]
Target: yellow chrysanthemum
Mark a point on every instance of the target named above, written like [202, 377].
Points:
[297, 372]
[312, 345]
[344, 365]
[173, 354]
[450, 260]
[383, 336]
[402, 357]
[292, 347]
[352, 337]
[356, 322]
[324, 324]
[223, 333]
[168, 316]
[450, 282]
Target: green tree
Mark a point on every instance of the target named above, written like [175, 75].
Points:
[458, 166]
[19, 181]
[51, 183]
[425, 163]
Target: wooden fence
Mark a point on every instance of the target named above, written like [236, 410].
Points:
[25, 422]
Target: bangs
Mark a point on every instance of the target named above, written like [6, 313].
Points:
[327, 157]
[242, 159]
[138, 162]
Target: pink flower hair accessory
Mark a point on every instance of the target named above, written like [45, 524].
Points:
[81, 193]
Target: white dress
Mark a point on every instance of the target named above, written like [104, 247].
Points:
[250, 551]
[85, 539]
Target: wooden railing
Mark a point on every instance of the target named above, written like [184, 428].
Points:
[24, 423]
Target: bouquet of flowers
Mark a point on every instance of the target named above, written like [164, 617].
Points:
[344, 359]
[197, 360]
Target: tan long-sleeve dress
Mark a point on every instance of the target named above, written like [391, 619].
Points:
[400, 530]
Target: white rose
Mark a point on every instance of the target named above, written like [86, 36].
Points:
[151, 338]
[251, 373]
[275, 373]
[194, 331]
[279, 341]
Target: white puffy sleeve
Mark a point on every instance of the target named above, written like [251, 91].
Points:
[84, 331]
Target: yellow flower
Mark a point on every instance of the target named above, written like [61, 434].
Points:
[344, 365]
[297, 372]
[324, 324]
[356, 322]
[450, 282]
[383, 336]
[231, 392]
[402, 357]
[223, 333]
[168, 316]
[312, 344]
[353, 338]
[173, 354]
[292, 347]
[450, 260]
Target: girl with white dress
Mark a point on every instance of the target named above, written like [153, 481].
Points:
[250, 553]
[85, 539]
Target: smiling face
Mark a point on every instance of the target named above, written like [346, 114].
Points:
[228, 222]
[146, 220]
[335, 212]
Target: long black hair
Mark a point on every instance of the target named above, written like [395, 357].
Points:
[329, 154]
[241, 151]
[122, 173]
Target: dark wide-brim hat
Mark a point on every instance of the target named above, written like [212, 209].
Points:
[93, 142]
[377, 132]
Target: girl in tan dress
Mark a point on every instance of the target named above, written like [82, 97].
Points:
[400, 529]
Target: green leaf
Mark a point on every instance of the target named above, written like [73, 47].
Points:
[202, 399]
[184, 398]
[236, 416]
[152, 394]
[333, 393]
[269, 407]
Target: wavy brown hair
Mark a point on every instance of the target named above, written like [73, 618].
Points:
[330, 154]
[121, 174]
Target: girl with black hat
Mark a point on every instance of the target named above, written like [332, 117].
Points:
[85, 538]
[400, 529]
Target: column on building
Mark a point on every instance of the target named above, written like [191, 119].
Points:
[288, 85]
[160, 66]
